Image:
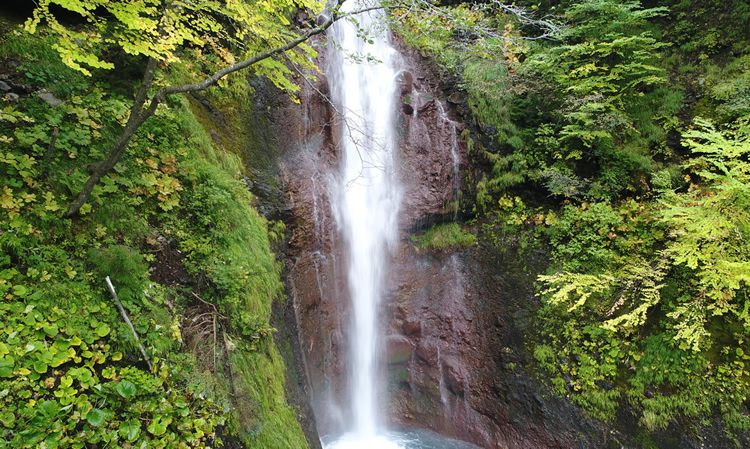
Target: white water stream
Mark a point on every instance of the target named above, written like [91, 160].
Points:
[366, 199]
[366, 203]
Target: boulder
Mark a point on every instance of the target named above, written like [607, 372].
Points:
[48, 98]
[398, 349]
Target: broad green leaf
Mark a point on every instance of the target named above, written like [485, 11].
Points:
[40, 367]
[7, 418]
[49, 409]
[130, 429]
[31, 437]
[159, 426]
[126, 389]
[102, 330]
[50, 329]
[95, 417]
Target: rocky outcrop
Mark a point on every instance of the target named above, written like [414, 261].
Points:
[452, 351]
[429, 155]
[466, 377]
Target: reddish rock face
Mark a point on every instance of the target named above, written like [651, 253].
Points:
[454, 354]
[430, 157]
[451, 349]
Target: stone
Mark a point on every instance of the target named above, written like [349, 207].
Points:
[13, 98]
[428, 352]
[424, 102]
[408, 81]
[5, 87]
[458, 97]
[302, 17]
[412, 327]
[49, 98]
[398, 349]
[408, 109]
[400, 312]
[455, 376]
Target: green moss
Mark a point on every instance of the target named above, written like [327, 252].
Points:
[444, 236]
[490, 98]
[267, 420]
[233, 250]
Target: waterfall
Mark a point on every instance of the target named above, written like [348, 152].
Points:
[365, 198]
[362, 75]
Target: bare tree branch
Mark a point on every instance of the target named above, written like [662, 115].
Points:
[125, 317]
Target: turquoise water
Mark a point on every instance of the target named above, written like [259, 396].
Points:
[398, 439]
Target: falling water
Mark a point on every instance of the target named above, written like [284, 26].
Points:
[362, 77]
[366, 200]
[454, 150]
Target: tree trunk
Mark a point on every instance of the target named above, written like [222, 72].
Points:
[137, 116]
[50, 150]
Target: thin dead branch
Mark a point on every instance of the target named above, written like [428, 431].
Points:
[125, 317]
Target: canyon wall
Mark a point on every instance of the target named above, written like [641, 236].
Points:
[453, 353]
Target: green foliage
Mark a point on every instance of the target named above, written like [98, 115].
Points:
[70, 372]
[607, 61]
[487, 83]
[444, 36]
[578, 116]
[41, 64]
[727, 87]
[596, 236]
[710, 231]
[645, 300]
[232, 30]
[124, 265]
[708, 28]
[444, 236]
[684, 287]
[62, 383]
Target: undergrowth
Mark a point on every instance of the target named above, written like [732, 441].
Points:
[71, 373]
[621, 145]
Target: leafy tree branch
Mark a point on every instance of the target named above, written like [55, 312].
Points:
[258, 34]
[140, 112]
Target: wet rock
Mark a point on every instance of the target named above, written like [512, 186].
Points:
[458, 97]
[488, 130]
[398, 349]
[302, 17]
[406, 81]
[322, 18]
[407, 108]
[456, 376]
[412, 326]
[425, 103]
[48, 98]
[400, 312]
[428, 352]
